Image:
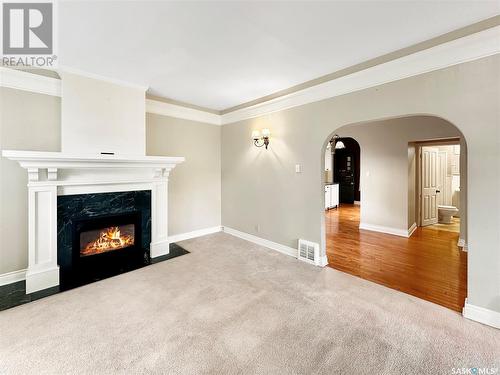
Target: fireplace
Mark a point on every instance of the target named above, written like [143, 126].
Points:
[107, 236]
[102, 235]
[104, 246]
[63, 188]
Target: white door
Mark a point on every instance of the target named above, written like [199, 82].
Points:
[429, 183]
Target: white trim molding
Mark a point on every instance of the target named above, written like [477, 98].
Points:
[461, 243]
[12, 277]
[178, 111]
[382, 229]
[194, 234]
[468, 48]
[25, 81]
[412, 229]
[262, 242]
[481, 315]
[67, 69]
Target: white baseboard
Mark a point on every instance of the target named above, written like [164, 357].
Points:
[194, 234]
[42, 279]
[461, 243]
[12, 277]
[357, 203]
[412, 229]
[263, 242]
[481, 315]
[158, 249]
[382, 229]
[323, 261]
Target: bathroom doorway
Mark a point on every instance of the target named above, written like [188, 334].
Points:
[439, 184]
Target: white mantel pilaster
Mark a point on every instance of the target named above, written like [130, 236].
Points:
[52, 173]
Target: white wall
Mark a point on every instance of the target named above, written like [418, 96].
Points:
[328, 165]
[99, 116]
[412, 190]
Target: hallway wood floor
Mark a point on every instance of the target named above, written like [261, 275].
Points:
[428, 265]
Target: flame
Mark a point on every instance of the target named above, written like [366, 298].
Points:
[109, 239]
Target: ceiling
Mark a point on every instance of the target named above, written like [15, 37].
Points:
[221, 54]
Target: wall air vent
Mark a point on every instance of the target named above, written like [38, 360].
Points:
[308, 252]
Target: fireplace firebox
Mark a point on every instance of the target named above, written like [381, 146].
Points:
[106, 245]
[102, 235]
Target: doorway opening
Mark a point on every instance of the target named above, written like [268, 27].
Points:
[342, 172]
[385, 234]
[439, 184]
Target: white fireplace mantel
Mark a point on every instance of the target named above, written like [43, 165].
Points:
[54, 173]
[59, 160]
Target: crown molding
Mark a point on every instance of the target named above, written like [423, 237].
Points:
[177, 111]
[426, 44]
[25, 81]
[465, 49]
[182, 104]
[468, 48]
[66, 69]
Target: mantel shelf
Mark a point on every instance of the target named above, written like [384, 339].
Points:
[59, 160]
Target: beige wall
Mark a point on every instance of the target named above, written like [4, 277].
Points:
[195, 185]
[260, 188]
[28, 121]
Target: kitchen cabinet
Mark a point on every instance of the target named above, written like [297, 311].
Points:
[331, 196]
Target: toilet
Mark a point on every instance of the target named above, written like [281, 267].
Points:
[445, 213]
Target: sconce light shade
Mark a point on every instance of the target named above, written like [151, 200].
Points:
[261, 138]
[336, 143]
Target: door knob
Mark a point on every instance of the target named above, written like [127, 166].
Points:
[438, 191]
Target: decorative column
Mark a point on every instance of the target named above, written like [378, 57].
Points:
[43, 271]
[159, 213]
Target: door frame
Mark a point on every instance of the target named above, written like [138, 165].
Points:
[418, 178]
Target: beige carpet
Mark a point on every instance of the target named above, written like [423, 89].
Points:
[233, 307]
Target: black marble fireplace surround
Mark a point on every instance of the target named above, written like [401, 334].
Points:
[89, 211]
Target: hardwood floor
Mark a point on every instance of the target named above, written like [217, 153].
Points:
[428, 265]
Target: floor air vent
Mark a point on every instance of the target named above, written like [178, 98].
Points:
[308, 252]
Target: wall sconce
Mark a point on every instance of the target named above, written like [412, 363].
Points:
[259, 139]
[336, 143]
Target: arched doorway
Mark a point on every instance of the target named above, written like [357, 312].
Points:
[342, 167]
[383, 240]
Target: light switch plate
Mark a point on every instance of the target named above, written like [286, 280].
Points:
[298, 168]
